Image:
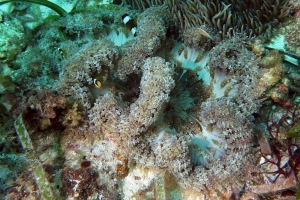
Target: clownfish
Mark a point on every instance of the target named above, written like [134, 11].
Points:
[97, 83]
[130, 24]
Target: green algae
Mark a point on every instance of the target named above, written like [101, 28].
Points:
[166, 187]
[294, 132]
[160, 188]
[46, 3]
[37, 168]
[112, 7]
[298, 192]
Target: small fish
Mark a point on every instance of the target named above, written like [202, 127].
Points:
[130, 24]
[204, 33]
[97, 83]
[62, 52]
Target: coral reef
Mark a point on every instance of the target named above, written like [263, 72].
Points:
[194, 105]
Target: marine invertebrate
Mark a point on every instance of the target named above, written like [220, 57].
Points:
[221, 131]
[236, 74]
[219, 147]
[151, 34]
[97, 58]
[192, 58]
[227, 17]
[129, 90]
[188, 94]
[142, 5]
[221, 123]
[156, 84]
[120, 135]
[44, 109]
[169, 147]
[198, 147]
[196, 38]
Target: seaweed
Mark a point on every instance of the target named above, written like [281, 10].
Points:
[46, 3]
[277, 125]
[37, 168]
[294, 132]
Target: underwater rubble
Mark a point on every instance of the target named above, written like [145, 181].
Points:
[132, 100]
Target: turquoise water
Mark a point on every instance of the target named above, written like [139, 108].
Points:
[149, 100]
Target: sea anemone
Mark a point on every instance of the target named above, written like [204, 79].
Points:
[227, 17]
[198, 149]
[186, 95]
